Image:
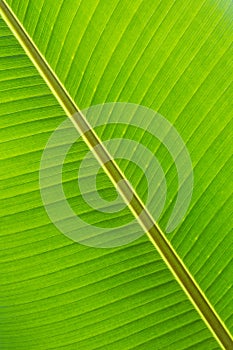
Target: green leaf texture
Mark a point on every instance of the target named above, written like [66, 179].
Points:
[174, 57]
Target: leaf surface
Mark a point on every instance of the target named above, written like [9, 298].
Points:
[169, 56]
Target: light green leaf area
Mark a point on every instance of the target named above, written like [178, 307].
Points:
[174, 57]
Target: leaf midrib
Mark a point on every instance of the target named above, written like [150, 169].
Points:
[146, 221]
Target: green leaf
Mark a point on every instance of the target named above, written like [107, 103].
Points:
[174, 57]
